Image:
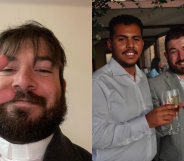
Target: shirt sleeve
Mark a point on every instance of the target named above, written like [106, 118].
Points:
[109, 135]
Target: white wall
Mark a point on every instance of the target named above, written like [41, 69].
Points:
[70, 20]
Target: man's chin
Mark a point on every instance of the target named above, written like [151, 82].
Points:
[177, 70]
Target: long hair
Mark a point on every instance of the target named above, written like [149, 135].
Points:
[154, 64]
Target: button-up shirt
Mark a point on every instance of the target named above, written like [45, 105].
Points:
[120, 129]
[181, 82]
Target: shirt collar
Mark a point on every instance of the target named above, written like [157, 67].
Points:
[181, 80]
[117, 69]
[27, 152]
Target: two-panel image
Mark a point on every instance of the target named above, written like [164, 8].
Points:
[91, 80]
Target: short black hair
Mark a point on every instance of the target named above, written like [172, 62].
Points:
[173, 33]
[126, 20]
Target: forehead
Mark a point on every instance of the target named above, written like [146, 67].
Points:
[39, 48]
[36, 47]
[176, 43]
[132, 30]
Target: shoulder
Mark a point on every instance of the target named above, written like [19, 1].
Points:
[153, 73]
[84, 153]
[158, 78]
[105, 70]
[61, 148]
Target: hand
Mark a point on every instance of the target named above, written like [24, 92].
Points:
[6, 94]
[161, 115]
[178, 109]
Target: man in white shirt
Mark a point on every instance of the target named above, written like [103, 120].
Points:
[123, 116]
[171, 146]
[32, 97]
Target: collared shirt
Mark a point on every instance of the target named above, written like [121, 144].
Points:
[23, 152]
[181, 81]
[120, 129]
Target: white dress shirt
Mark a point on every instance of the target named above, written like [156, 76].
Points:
[120, 129]
[181, 81]
[23, 152]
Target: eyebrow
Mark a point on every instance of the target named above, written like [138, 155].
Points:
[127, 36]
[43, 58]
[172, 49]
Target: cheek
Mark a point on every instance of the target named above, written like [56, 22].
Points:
[5, 82]
[173, 59]
[49, 90]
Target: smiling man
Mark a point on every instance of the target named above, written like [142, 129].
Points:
[171, 146]
[32, 96]
[123, 115]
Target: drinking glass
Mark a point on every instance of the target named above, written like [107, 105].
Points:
[167, 99]
[176, 101]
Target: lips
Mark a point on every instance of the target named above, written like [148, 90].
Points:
[130, 52]
[26, 101]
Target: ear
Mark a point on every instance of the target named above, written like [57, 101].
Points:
[64, 85]
[109, 44]
[166, 56]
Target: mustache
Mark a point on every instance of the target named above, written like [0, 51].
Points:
[30, 97]
[179, 61]
[130, 51]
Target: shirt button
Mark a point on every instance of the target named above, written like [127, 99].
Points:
[141, 102]
[148, 157]
[143, 132]
[149, 138]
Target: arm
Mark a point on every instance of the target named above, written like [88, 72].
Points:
[107, 134]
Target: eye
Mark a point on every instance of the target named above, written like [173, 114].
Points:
[174, 52]
[136, 39]
[122, 40]
[7, 70]
[43, 71]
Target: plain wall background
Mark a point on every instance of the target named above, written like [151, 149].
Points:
[70, 20]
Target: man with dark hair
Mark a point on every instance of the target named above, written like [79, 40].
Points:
[123, 126]
[171, 146]
[33, 103]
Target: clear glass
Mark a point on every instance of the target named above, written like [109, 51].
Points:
[176, 101]
[167, 99]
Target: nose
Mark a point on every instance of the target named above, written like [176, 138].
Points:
[181, 55]
[130, 43]
[24, 80]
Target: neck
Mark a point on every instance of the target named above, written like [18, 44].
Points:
[130, 70]
[181, 76]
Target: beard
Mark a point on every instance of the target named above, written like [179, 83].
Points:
[16, 126]
[174, 68]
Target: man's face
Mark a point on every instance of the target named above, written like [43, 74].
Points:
[175, 55]
[126, 44]
[39, 105]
